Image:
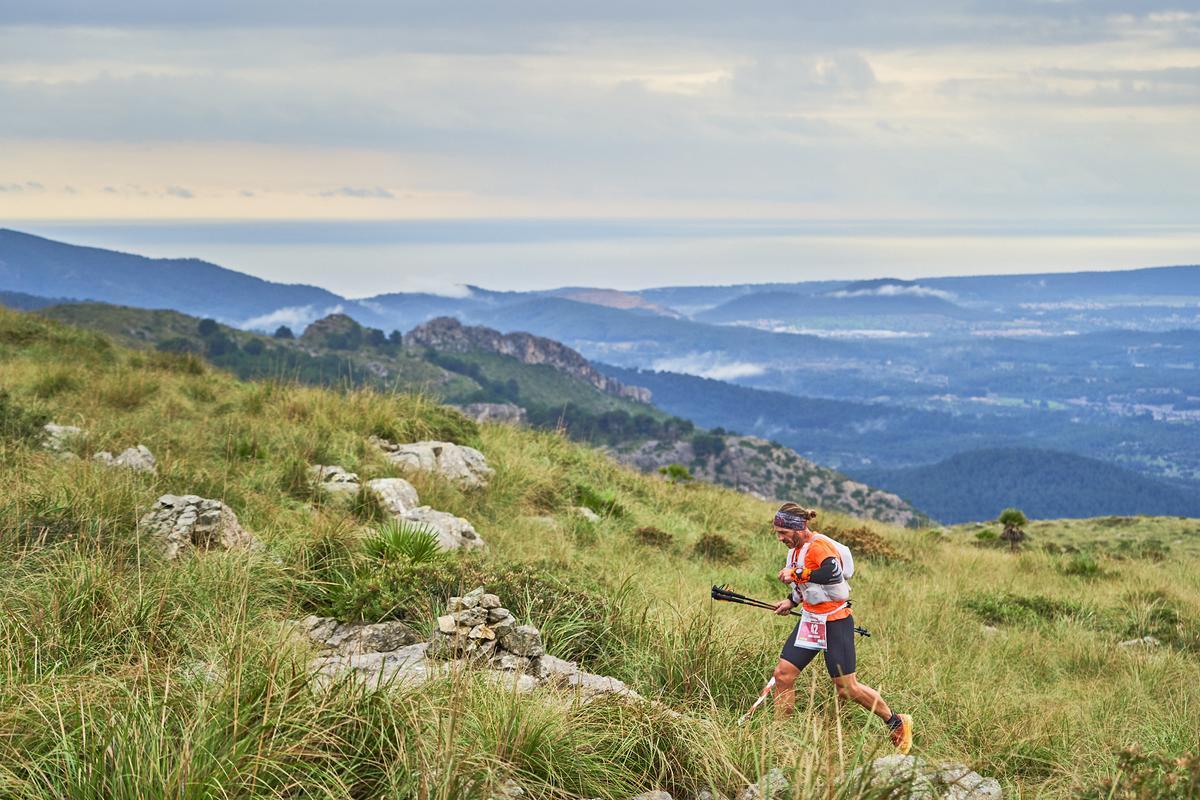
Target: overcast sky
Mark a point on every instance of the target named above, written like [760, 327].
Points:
[1063, 133]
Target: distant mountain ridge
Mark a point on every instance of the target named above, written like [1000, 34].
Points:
[1045, 484]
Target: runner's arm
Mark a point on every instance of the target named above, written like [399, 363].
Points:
[829, 572]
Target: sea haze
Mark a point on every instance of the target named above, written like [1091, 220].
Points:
[362, 258]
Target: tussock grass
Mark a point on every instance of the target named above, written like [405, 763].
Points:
[122, 677]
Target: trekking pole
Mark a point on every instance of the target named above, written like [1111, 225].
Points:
[726, 595]
[765, 692]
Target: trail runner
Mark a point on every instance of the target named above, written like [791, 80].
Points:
[814, 573]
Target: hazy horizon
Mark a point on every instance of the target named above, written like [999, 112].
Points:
[359, 259]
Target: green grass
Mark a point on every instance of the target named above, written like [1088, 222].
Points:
[123, 677]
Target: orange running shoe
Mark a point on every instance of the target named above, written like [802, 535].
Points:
[902, 736]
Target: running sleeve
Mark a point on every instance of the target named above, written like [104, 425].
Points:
[829, 572]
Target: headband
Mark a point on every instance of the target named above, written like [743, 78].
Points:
[792, 522]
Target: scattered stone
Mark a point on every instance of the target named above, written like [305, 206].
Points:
[920, 780]
[555, 670]
[185, 522]
[407, 666]
[1145, 641]
[497, 614]
[464, 466]
[334, 479]
[446, 624]
[396, 494]
[587, 513]
[354, 638]
[655, 795]
[139, 459]
[509, 661]
[772, 786]
[453, 533]
[508, 790]
[710, 794]
[989, 630]
[470, 630]
[482, 632]
[492, 412]
[489, 601]
[59, 438]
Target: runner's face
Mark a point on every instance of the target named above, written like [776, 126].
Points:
[787, 536]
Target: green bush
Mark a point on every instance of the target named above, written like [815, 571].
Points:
[603, 501]
[653, 537]
[399, 541]
[715, 547]
[1083, 565]
[1006, 608]
[55, 383]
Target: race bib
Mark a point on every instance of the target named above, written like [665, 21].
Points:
[810, 633]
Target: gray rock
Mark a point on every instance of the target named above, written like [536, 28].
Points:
[59, 438]
[920, 780]
[522, 640]
[655, 795]
[405, 667]
[139, 459]
[473, 597]
[772, 786]
[187, 522]
[334, 479]
[587, 513]
[498, 613]
[554, 670]
[463, 466]
[1145, 641]
[395, 494]
[453, 533]
[489, 601]
[508, 790]
[354, 638]
[509, 661]
[710, 794]
[471, 617]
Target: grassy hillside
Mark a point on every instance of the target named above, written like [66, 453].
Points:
[125, 677]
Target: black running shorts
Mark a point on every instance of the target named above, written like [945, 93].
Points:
[839, 657]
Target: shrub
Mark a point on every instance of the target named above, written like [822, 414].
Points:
[865, 543]
[53, 383]
[1084, 565]
[432, 421]
[715, 547]
[653, 537]
[1006, 608]
[675, 473]
[402, 590]
[1141, 776]
[20, 424]
[403, 541]
[126, 391]
[603, 501]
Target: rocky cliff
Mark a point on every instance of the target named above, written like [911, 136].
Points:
[773, 472]
[449, 335]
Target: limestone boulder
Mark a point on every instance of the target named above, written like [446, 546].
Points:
[60, 438]
[334, 479]
[772, 786]
[406, 666]
[397, 495]
[453, 533]
[355, 638]
[139, 459]
[464, 466]
[183, 523]
[919, 779]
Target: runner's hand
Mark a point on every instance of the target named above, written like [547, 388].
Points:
[784, 607]
[787, 575]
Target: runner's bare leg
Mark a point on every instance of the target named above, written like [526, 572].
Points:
[785, 688]
[849, 688]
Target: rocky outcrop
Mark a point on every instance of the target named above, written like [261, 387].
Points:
[453, 533]
[508, 413]
[139, 459]
[773, 472]
[449, 335]
[356, 638]
[184, 523]
[476, 633]
[919, 779]
[397, 495]
[464, 466]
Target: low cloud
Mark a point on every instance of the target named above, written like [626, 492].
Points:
[179, 191]
[359, 191]
[894, 290]
[27, 186]
[709, 365]
[295, 317]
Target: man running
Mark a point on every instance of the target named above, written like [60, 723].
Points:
[814, 573]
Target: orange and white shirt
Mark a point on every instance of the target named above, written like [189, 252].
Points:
[819, 598]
